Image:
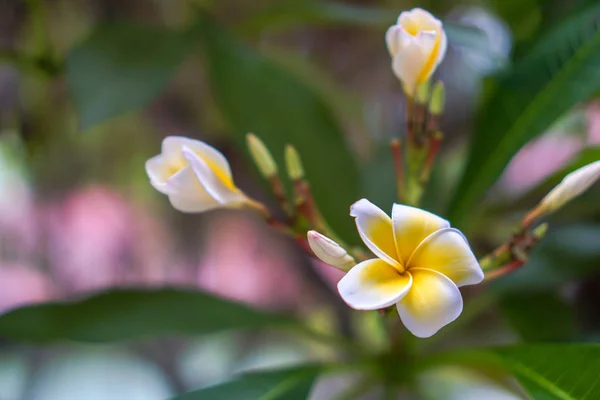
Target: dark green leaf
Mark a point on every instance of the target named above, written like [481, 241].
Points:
[560, 71]
[121, 67]
[538, 316]
[292, 384]
[256, 95]
[132, 314]
[566, 372]
[547, 372]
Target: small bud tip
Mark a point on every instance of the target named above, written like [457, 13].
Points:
[293, 163]
[438, 99]
[261, 156]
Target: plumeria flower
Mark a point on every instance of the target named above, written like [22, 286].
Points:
[194, 175]
[417, 44]
[421, 262]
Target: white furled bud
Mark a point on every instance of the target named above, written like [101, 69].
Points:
[329, 251]
[570, 187]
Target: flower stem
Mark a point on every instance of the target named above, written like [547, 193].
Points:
[279, 193]
[396, 147]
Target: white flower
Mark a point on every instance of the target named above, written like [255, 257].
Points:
[194, 175]
[421, 263]
[570, 187]
[417, 44]
[329, 251]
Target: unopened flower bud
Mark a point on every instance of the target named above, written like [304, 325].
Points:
[417, 44]
[540, 231]
[570, 187]
[293, 164]
[261, 156]
[438, 99]
[423, 91]
[329, 251]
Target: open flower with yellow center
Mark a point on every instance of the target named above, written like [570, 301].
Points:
[194, 175]
[417, 44]
[420, 266]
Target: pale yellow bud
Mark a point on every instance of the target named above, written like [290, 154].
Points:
[261, 156]
[329, 251]
[438, 99]
[570, 187]
[293, 164]
[423, 91]
[195, 176]
[417, 44]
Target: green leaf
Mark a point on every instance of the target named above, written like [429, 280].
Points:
[291, 384]
[133, 314]
[562, 70]
[546, 371]
[538, 316]
[566, 372]
[256, 95]
[121, 67]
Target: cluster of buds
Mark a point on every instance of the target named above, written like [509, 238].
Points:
[417, 44]
[419, 261]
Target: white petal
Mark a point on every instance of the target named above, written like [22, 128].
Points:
[447, 251]
[443, 47]
[422, 19]
[373, 284]
[158, 172]
[432, 303]
[219, 188]
[396, 38]
[375, 229]
[411, 226]
[409, 63]
[186, 194]
[172, 147]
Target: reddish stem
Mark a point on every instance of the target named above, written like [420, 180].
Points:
[513, 265]
[435, 142]
[279, 193]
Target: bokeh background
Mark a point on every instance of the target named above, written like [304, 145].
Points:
[83, 104]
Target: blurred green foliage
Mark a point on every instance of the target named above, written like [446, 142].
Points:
[293, 384]
[548, 371]
[249, 90]
[133, 314]
[558, 72]
[123, 66]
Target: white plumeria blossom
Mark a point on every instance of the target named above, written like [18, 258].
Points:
[421, 262]
[194, 175]
[417, 44]
[570, 187]
[329, 251]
